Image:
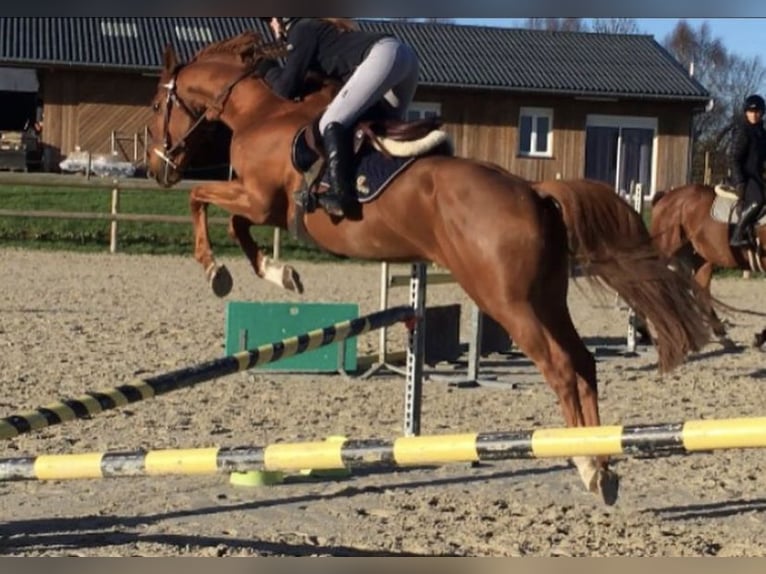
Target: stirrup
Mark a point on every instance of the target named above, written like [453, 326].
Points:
[332, 203]
[745, 240]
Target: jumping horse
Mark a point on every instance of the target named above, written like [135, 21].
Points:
[505, 244]
[692, 225]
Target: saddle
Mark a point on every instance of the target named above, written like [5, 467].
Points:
[727, 205]
[726, 191]
[726, 208]
[382, 149]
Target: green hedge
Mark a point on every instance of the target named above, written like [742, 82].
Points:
[133, 237]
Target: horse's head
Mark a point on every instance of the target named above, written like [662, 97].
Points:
[173, 120]
[181, 105]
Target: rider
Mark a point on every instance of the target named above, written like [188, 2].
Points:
[373, 67]
[746, 159]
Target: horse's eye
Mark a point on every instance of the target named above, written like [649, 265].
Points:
[156, 106]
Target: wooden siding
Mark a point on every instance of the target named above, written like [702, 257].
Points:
[484, 124]
[81, 109]
[673, 157]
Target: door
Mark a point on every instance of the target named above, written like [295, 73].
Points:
[635, 159]
[620, 151]
[601, 146]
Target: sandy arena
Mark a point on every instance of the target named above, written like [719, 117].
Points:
[71, 323]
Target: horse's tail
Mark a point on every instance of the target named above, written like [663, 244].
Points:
[613, 247]
[597, 219]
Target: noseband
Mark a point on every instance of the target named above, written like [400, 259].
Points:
[169, 150]
[173, 99]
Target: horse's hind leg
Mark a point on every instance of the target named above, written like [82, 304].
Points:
[703, 275]
[266, 268]
[563, 336]
[546, 335]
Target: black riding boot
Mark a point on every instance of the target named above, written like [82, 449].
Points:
[340, 197]
[746, 218]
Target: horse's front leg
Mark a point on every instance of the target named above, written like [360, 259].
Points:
[265, 267]
[217, 275]
[247, 207]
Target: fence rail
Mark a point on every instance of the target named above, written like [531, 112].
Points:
[52, 181]
[88, 182]
[141, 217]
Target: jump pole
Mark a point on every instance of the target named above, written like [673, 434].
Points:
[638, 205]
[93, 403]
[377, 454]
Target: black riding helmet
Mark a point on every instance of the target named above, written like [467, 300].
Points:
[755, 102]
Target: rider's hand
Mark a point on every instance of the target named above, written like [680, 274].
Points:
[264, 66]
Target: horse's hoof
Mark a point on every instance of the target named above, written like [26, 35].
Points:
[728, 344]
[221, 281]
[608, 485]
[291, 280]
[759, 339]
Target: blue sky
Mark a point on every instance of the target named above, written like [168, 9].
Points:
[741, 36]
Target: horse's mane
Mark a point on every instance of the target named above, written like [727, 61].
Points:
[248, 46]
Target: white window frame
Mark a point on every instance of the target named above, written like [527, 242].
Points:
[194, 33]
[116, 28]
[536, 113]
[423, 108]
[640, 122]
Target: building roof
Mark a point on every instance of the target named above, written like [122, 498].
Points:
[473, 57]
[132, 43]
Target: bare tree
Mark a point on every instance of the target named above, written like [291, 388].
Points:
[599, 25]
[614, 26]
[705, 58]
[429, 20]
[728, 78]
[557, 24]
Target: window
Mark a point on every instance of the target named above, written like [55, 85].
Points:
[194, 34]
[536, 132]
[620, 150]
[117, 28]
[423, 110]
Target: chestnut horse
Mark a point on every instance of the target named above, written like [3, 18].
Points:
[504, 243]
[683, 228]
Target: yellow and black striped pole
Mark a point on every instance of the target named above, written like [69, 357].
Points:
[92, 403]
[647, 440]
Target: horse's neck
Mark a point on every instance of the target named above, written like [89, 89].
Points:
[253, 103]
[211, 83]
[251, 99]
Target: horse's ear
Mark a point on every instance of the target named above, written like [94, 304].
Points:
[169, 58]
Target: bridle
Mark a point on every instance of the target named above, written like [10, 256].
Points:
[210, 112]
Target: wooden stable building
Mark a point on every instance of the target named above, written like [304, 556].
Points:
[542, 104]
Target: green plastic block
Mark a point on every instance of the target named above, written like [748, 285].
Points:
[249, 325]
